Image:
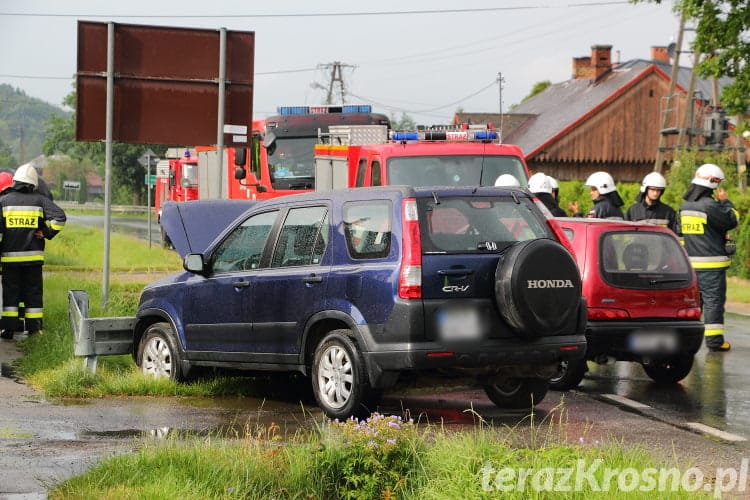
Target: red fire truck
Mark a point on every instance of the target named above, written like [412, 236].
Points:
[176, 177]
[278, 160]
[355, 156]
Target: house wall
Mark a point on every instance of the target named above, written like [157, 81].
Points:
[621, 137]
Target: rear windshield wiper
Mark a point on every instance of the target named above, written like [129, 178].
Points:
[666, 280]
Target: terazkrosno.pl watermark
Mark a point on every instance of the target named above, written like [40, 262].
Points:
[592, 476]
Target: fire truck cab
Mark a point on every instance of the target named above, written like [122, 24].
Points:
[280, 156]
[357, 156]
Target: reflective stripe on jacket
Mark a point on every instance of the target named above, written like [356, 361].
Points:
[26, 216]
[704, 224]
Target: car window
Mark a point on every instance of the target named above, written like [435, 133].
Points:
[634, 259]
[367, 228]
[300, 241]
[476, 224]
[243, 248]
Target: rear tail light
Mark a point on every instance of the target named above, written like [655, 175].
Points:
[689, 313]
[601, 313]
[410, 276]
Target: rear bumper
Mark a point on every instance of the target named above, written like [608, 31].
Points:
[616, 338]
[522, 358]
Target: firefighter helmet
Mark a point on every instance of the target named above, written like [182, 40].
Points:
[653, 180]
[507, 180]
[6, 181]
[708, 175]
[539, 183]
[602, 181]
[27, 174]
[553, 183]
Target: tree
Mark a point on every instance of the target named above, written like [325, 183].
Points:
[721, 33]
[6, 156]
[538, 87]
[405, 123]
[126, 171]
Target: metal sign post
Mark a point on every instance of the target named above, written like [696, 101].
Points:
[145, 160]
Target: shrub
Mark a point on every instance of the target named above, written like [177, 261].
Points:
[366, 459]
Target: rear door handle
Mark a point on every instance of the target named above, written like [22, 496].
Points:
[313, 279]
[241, 284]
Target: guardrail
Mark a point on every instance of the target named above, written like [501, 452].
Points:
[97, 336]
[138, 209]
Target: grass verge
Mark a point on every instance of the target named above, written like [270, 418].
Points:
[384, 457]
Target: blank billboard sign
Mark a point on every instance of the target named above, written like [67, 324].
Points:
[166, 83]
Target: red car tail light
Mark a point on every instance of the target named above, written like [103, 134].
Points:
[602, 313]
[689, 313]
[410, 276]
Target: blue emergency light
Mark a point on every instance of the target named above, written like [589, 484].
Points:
[405, 136]
[319, 110]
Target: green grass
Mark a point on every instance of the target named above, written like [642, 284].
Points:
[738, 290]
[343, 460]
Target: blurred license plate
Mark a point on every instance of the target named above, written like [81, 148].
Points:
[459, 324]
[654, 342]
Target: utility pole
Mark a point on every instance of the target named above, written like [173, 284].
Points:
[500, 82]
[336, 77]
[670, 95]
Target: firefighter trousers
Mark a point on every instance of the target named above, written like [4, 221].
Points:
[22, 284]
[713, 286]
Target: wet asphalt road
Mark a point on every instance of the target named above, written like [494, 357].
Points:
[44, 442]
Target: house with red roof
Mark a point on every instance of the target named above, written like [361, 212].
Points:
[609, 116]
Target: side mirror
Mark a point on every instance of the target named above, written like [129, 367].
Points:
[240, 158]
[240, 173]
[172, 178]
[193, 262]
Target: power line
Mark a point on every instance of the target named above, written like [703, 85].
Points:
[316, 14]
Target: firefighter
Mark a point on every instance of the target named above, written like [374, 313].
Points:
[507, 180]
[607, 201]
[649, 207]
[555, 188]
[28, 217]
[704, 222]
[540, 186]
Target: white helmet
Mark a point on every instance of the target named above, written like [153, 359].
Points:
[602, 181]
[653, 180]
[539, 183]
[707, 175]
[507, 180]
[26, 173]
[553, 183]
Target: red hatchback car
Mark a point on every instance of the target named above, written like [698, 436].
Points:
[642, 295]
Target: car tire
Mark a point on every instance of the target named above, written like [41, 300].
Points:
[571, 375]
[669, 371]
[517, 393]
[158, 356]
[538, 288]
[339, 378]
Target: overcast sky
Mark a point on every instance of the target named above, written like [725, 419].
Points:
[426, 59]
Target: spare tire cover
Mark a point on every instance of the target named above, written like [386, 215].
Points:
[538, 287]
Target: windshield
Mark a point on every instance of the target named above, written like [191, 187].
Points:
[638, 259]
[189, 175]
[290, 162]
[476, 224]
[460, 170]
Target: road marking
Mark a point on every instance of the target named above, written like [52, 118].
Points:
[626, 402]
[712, 431]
